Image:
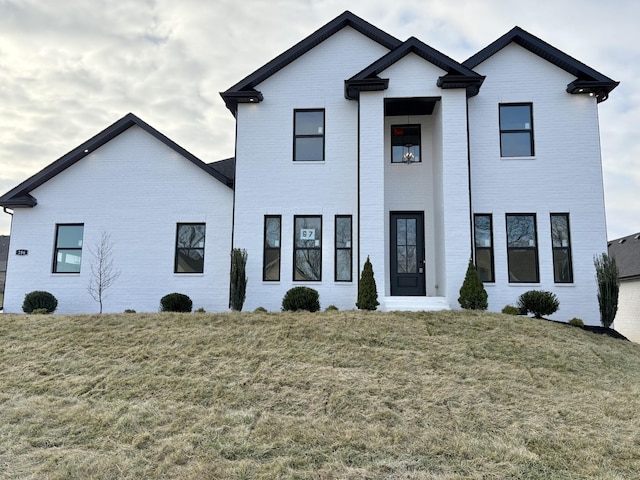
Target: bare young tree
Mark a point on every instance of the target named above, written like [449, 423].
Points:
[103, 273]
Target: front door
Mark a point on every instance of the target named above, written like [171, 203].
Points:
[407, 254]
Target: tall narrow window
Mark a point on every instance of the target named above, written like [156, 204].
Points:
[561, 245]
[68, 251]
[522, 248]
[483, 233]
[271, 256]
[343, 249]
[307, 250]
[308, 135]
[516, 130]
[190, 248]
[405, 143]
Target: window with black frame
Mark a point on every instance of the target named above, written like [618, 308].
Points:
[68, 248]
[343, 249]
[405, 143]
[308, 135]
[561, 245]
[307, 250]
[190, 248]
[271, 255]
[522, 248]
[483, 234]
[516, 130]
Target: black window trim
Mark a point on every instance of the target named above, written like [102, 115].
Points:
[567, 248]
[530, 131]
[489, 248]
[337, 249]
[56, 248]
[534, 248]
[419, 125]
[175, 261]
[296, 248]
[296, 136]
[267, 248]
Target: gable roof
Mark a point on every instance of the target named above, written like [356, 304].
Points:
[457, 76]
[588, 80]
[226, 167]
[244, 92]
[626, 251]
[20, 196]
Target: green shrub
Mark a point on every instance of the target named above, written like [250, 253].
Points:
[538, 302]
[39, 300]
[201, 310]
[473, 296]
[511, 310]
[331, 308]
[301, 298]
[39, 311]
[576, 322]
[367, 290]
[238, 285]
[129, 310]
[176, 302]
[260, 310]
[608, 288]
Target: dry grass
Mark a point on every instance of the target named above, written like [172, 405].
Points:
[348, 395]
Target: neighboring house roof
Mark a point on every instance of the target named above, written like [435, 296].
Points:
[458, 76]
[588, 80]
[244, 92]
[21, 196]
[626, 251]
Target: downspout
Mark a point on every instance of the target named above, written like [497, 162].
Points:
[471, 256]
[6, 210]
[358, 193]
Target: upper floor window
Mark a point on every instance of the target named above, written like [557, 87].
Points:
[405, 143]
[68, 251]
[516, 130]
[561, 245]
[190, 248]
[308, 135]
[522, 248]
[271, 254]
[484, 246]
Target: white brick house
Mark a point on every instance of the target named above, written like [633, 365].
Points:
[354, 144]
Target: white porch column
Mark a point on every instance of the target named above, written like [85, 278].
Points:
[372, 216]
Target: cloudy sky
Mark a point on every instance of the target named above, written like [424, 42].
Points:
[70, 68]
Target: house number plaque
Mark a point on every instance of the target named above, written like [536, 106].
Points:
[22, 252]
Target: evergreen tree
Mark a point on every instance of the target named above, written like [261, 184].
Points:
[237, 292]
[608, 288]
[367, 290]
[473, 296]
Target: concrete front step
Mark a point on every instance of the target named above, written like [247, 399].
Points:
[414, 304]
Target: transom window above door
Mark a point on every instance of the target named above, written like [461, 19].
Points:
[405, 143]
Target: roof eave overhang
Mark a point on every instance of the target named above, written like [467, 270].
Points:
[232, 99]
[352, 88]
[471, 84]
[19, 201]
[593, 88]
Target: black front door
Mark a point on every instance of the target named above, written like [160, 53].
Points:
[407, 254]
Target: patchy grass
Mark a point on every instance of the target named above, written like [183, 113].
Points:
[350, 395]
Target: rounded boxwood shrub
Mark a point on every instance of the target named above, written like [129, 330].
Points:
[176, 302]
[260, 310]
[511, 310]
[538, 302]
[38, 300]
[576, 322]
[301, 298]
[331, 308]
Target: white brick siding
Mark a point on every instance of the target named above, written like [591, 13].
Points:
[627, 320]
[136, 189]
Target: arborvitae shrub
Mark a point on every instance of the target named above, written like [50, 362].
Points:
[608, 288]
[38, 300]
[176, 302]
[576, 322]
[538, 302]
[473, 296]
[367, 290]
[238, 286]
[301, 298]
[511, 310]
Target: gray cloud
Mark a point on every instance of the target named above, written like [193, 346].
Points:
[69, 69]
